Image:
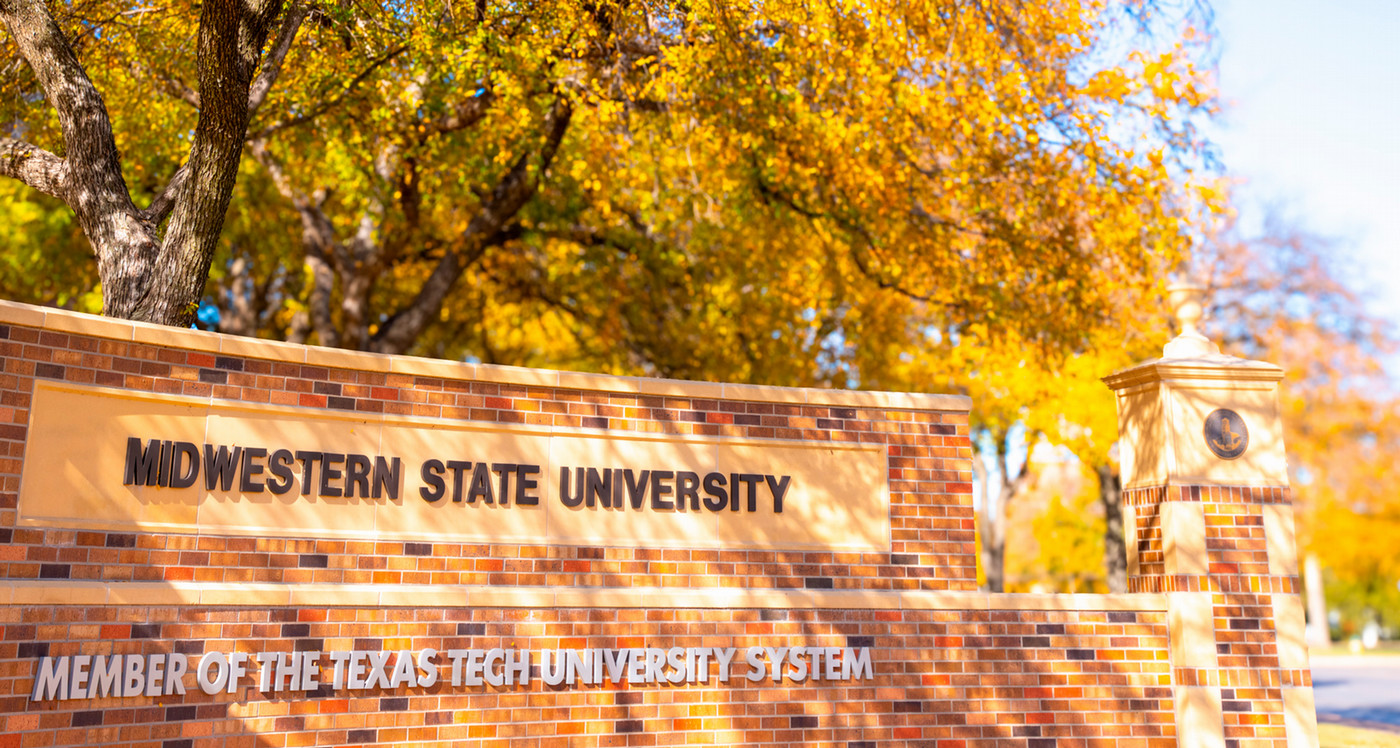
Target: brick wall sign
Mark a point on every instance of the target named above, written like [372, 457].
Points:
[215, 541]
[101, 457]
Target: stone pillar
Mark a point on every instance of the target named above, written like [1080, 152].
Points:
[1209, 522]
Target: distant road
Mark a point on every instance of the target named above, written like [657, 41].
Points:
[1358, 690]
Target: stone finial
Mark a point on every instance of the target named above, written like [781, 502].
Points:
[1187, 302]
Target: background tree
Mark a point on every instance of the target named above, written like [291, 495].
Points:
[1284, 295]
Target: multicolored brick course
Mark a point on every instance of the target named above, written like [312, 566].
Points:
[952, 667]
[932, 544]
[1212, 530]
[968, 678]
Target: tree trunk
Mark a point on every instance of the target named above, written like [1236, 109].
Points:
[144, 277]
[990, 528]
[1319, 632]
[994, 516]
[1115, 550]
[231, 38]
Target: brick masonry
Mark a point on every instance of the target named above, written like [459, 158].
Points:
[946, 678]
[1247, 669]
[953, 668]
[929, 471]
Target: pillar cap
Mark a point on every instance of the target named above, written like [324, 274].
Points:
[1191, 355]
[1188, 302]
[1219, 367]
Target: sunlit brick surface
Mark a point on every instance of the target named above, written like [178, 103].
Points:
[952, 669]
[1242, 591]
[1026, 678]
[929, 454]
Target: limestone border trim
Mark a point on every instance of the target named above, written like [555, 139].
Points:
[463, 596]
[61, 320]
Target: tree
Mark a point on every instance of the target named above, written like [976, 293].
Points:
[1021, 400]
[1280, 296]
[147, 272]
[782, 192]
[1275, 296]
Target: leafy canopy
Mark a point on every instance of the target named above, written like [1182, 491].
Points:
[792, 192]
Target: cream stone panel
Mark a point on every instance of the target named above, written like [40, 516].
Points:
[343, 359]
[511, 597]
[1300, 718]
[1200, 721]
[423, 595]
[1290, 627]
[1191, 461]
[577, 380]
[765, 393]
[838, 497]
[272, 595]
[1184, 537]
[413, 516]
[756, 598]
[431, 367]
[325, 595]
[152, 593]
[1142, 442]
[854, 599]
[517, 375]
[1280, 539]
[1191, 629]
[76, 455]
[154, 334]
[275, 350]
[679, 388]
[254, 512]
[644, 526]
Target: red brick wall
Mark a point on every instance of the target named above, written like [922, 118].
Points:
[966, 670]
[1242, 592]
[943, 678]
[931, 503]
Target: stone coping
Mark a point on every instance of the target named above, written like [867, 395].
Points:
[463, 596]
[1216, 369]
[61, 320]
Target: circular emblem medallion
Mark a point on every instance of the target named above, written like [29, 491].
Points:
[1226, 434]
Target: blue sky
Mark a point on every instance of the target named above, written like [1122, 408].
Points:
[1312, 123]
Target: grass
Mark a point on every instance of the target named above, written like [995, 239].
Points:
[1338, 736]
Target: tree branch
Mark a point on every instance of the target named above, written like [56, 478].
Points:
[464, 114]
[96, 191]
[334, 101]
[163, 203]
[485, 230]
[272, 66]
[318, 242]
[34, 166]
